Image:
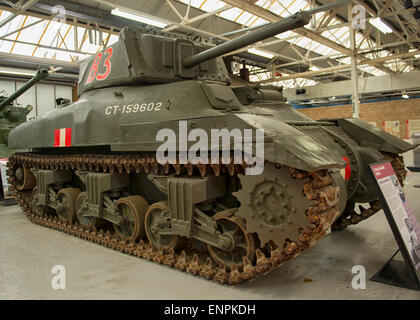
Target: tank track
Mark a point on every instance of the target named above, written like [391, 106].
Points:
[351, 217]
[319, 188]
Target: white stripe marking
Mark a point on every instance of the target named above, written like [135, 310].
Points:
[62, 137]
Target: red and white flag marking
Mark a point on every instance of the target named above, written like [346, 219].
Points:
[346, 172]
[62, 137]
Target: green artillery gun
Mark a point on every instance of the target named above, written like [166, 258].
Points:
[12, 115]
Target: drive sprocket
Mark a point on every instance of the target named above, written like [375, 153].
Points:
[275, 205]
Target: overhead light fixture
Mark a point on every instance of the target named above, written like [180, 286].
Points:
[261, 53]
[380, 25]
[138, 17]
[8, 71]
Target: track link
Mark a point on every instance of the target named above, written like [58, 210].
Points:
[318, 187]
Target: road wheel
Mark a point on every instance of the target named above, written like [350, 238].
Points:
[133, 210]
[157, 218]
[66, 204]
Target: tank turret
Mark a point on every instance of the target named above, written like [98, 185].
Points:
[144, 56]
[12, 115]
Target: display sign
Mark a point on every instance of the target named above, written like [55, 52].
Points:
[392, 127]
[5, 184]
[413, 127]
[400, 215]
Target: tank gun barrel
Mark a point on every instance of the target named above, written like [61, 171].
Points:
[298, 20]
[40, 75]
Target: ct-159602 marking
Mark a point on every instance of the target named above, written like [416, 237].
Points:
[133, 108]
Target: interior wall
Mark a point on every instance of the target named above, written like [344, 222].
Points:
[378, 112]
[41, 97]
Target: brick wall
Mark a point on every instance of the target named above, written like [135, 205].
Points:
[401, 110]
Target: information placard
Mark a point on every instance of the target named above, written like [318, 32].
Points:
[4, 183]
[400, 215]
[392, 127]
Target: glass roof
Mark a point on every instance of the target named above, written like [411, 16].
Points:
[285, 8]
[36, 39]
[55, 40]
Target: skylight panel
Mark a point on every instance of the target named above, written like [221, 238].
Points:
[3, 17]
[30, 34]
[211, 5]
[298, 6]
[302, 42]
[205, 5]
[258, 22]
[231, 14]
[89, 47]
[346, 60]
[245, 18]
[286, 34]
[5, 46]
[23, 49]
[11, 25]
[276, 8]
[282, 7]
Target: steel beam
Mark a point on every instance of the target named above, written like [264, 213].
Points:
[404, 81]
[197, 18]
[19, 11]
[364, 62]
[354, 74]
[271, 17]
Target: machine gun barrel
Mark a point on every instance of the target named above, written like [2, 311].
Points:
[298, 20]
[40, 75]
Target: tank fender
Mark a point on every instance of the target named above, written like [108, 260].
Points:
[289, 146]
[366, 134]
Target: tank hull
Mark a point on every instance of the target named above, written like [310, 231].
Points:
[128, 119]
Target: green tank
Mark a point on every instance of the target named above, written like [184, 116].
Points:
[98, 168]
[13, 115]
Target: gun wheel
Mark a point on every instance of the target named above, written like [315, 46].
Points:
[157, 218]
[244, 243]
[66, 204]
[133, 210]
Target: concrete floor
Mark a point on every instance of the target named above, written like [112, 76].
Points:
[28, 253]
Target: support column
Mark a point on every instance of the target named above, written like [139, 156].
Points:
[354, 75]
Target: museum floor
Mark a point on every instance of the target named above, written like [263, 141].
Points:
[28, 253]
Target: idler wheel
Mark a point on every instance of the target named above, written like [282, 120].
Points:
[132, 209]
[66, 204]
[244, 244]
[82, 207]
[157, 218]
[25, 178]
